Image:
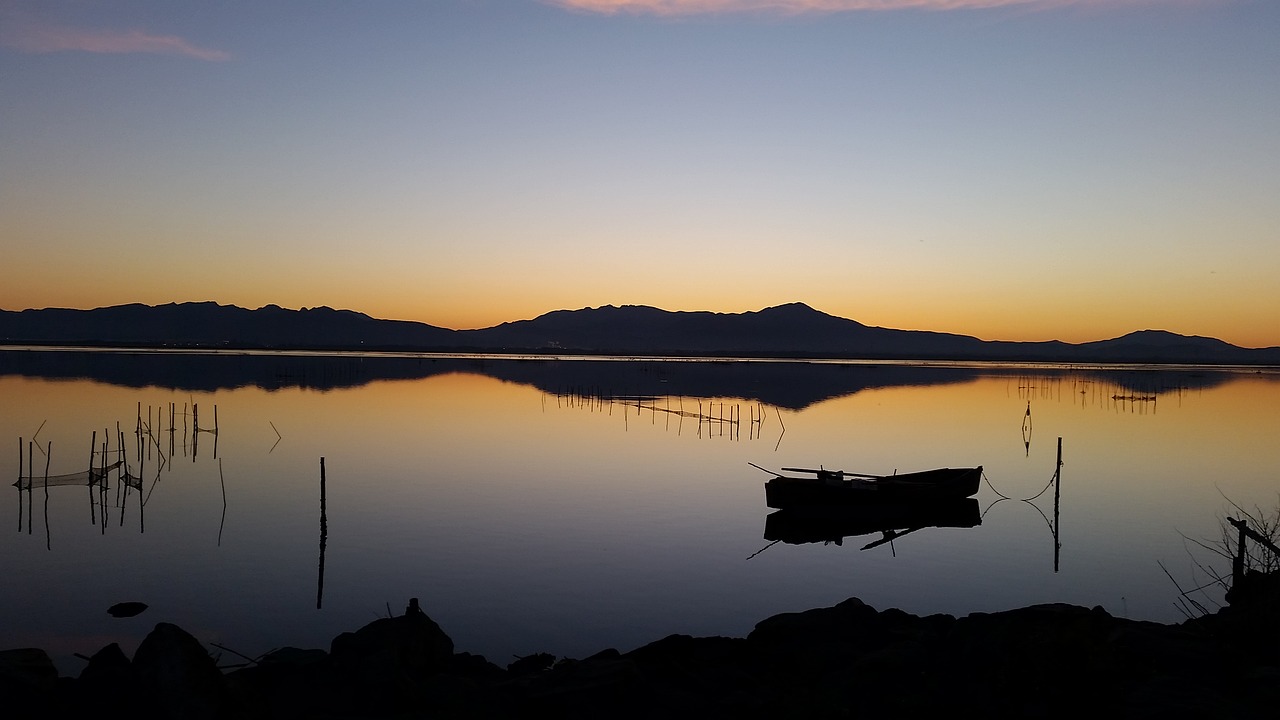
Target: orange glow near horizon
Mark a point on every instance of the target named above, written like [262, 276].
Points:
[1019, 307]
[763, 153]
[1068, 321]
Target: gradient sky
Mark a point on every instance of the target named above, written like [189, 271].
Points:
[1011, 169]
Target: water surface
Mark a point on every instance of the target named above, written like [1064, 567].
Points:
[569, 505]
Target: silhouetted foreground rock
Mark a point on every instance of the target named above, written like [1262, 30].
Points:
[843, 661]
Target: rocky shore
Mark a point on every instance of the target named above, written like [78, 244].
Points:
[849, 660]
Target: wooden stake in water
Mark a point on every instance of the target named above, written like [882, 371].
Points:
[1057, 494]
[221, 523]
[48, 538]
[19, 484]
[124, 481]
[102, 486]
[142, 520]
[324, 538]
[93, 443]
[31, 519]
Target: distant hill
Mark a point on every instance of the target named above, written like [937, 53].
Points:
[791, 330]
[786, 331]
[209, 325]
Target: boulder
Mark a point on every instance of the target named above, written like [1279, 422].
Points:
[177, 678]
[381, 666]
[28, 680]
[285, 683]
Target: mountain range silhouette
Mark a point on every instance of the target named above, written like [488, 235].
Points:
[794, 330]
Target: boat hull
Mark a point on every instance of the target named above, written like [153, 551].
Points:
[835, 523]
[784, 492]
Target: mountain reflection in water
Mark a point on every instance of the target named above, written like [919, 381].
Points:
[781, 383]
[569, 505]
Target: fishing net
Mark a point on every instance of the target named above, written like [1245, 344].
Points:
[94, 476]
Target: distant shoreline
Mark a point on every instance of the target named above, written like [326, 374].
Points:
[786, 332]
[544, 355]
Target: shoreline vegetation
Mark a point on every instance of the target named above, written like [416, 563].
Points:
[847, 660]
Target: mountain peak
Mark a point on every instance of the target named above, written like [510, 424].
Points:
[793, 308]
[784, 331]
[1165, 338]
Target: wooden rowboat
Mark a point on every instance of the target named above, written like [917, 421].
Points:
[826, 488]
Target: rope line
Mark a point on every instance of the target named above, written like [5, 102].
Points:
[1048, 485]
[1048, 523]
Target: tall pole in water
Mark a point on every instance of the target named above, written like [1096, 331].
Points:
[1057, 494]
[31, 481]
[19, 485]
[48, 456]
[324, 537]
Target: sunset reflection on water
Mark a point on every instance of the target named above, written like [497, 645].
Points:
[566, 520]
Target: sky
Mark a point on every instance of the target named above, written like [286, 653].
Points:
[1009, 169]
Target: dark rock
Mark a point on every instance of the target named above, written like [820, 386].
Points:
[606, 654]
[530, 664]
[584, 688]
[706, 675]
[177, 678]
[381, 666]
[108, 679]
[293, 657]
[849, 620]
[286, 683]
[808, 642]
[694, 663]
[108, 684]
[1045, 661]
[28, 680]
[109, 666]
[476, 667]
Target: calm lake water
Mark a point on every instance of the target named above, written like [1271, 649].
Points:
[566, 506]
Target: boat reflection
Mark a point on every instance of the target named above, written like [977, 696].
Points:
[893, 520]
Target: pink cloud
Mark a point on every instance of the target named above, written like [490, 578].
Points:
[25, 35]
[790, 7]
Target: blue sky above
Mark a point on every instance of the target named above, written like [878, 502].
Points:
[1018, 170]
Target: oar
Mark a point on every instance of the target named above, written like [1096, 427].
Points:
[890, 536]
[766, 547]
[837, 472]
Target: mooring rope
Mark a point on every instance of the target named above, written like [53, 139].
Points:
[1048, 485]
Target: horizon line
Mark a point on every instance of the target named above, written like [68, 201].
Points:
[306, 308]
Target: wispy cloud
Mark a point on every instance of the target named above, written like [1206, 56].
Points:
[789, 7]
[29, 35]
